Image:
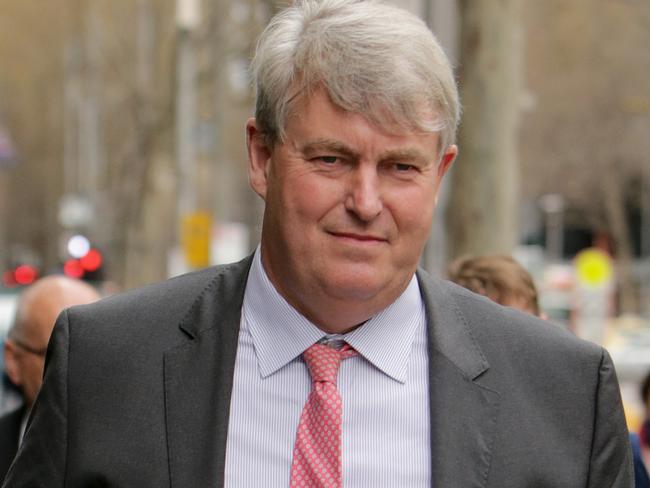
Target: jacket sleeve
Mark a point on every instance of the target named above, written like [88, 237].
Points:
[611, 456]
[41, 459]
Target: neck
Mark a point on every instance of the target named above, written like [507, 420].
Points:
[330, 315]
[335, 309]
[335, 315]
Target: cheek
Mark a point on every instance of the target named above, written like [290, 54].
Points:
[311, 198]
[413, 210]
[32, 374]
[37, 367]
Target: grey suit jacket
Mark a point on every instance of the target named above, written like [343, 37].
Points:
[10, 424]
[137, 394]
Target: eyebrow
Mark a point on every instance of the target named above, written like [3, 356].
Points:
[329, 145]
[405, 154]
[400, 154]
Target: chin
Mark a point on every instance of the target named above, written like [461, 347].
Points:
[356, 286]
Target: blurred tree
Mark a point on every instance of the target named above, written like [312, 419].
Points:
[482, 210]
[103, 72]
[121, 62]
[31, 33]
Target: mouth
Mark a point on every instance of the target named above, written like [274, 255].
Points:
[358, 238]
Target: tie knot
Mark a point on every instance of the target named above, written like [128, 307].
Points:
[323, 361]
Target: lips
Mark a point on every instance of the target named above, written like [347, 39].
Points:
[358, 237]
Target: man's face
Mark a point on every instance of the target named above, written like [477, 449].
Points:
[31, 370]
[26, 346]
[348, 210]
[25, 358]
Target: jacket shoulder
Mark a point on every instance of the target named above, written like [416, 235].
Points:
[155, 312]
[502, 332]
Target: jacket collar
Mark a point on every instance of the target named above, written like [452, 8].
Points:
[449, 333]
[198, 377]
[463, 412]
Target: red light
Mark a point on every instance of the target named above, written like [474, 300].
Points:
[92, 260]
[73, 269]
[25, 274]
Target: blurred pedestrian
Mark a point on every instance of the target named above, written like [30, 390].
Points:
[25, 347]
[327, 359]
[498, 277]
[641, 441]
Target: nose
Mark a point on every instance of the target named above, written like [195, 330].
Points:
[363, 197]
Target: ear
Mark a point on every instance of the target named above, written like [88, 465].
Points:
[259, 158]
[446, 160]
[444, 165]
[12, 368]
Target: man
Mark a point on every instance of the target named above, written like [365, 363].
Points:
[25, 346]
[500, 278]
[228, 376]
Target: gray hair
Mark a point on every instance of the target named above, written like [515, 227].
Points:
[373, 59]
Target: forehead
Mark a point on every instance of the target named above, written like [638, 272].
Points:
[41, 309]
[39, 320]
[314, 116]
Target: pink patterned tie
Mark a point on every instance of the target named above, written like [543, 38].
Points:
[317, 453]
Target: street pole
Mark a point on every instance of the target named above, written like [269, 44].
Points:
[70, 116]
[191, 224]
[553, 206]
[442, 18]
[91, 127]
[187, 21]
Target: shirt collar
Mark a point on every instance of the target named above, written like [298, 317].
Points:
[280, 333]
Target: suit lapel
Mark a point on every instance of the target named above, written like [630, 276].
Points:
[463, 412]
[198, 377]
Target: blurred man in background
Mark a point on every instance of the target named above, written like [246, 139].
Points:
[500, 278]
[327, 359]
[25, 347]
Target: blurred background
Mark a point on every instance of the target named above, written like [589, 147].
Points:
[122, 151]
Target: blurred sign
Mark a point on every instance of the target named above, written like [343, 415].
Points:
[593, 268]
[230, 242]
[593, 293]
[195, 238]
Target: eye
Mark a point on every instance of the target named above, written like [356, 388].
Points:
[403, 167]
[328, 159]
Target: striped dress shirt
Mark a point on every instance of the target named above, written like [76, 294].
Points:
[386, 436]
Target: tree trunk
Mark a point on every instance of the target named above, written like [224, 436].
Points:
[482, 213]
